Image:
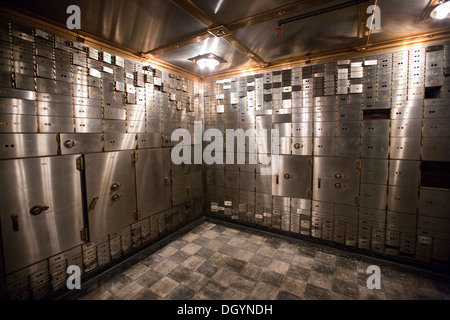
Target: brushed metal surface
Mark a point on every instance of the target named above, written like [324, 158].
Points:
[58, 227]
[405, 148]
[153, 181]
[437, 149]
[374, 171]
[373, 196]
[403, 199]
[116, 141]
[404, 173]
[17, 106]
[336, 180]
[28, 145]
[110, 192]
[71, 143]
[293, 178]
[12, 123]
[434, 202]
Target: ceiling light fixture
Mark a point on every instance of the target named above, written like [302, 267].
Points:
[207, 61]
[441, 11]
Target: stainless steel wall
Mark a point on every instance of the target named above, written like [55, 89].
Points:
[84, 147]
[364, 151]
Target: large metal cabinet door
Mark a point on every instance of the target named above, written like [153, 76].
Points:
[110, 192]
[294, 177]
[336, 180]
[153, 181]
[41, 209]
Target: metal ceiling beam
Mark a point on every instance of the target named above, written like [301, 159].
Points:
[178, 44]
[190, 8]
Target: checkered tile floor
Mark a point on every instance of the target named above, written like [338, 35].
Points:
[217, 262]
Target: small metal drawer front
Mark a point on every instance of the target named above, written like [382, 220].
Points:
[373, 196]
[348, 147]
[24, 68]
[63, 198]
[376, 148]
[80, 91]
[43, 51]
[114, 113]
[41, 96]
[149, 140]
[348, 129]
[374, 171]
[375, 128]
[302, 146]
[284, 129]
[64, 88]
[434, 202]
[119, 141]
[406, 113]
[22, 57]
[45, 71]
[81, 111]
[405, 148]
[437, 112]
[324, 146]
[54, 109]
[83, 125]
[375, 215]
[79, 80]
[401, 219]
[45, 85]
[401, 199]
[324, 116]
[110, 208]
[336, 180]
[24, 82]
[135, 126]
[117, 126]
[325, 129]
[55, 124]
[63, 75]
[27, 145]
[434, 128]
[437, 149]
[292, 178]
[94, 93]
[410, 128]
[81, 143]
[17, 106]
[404, 173]
[11, 123]
[376, 105]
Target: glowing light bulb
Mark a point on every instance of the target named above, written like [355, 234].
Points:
[441, 11]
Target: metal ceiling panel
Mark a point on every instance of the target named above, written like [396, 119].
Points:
[329, 31]
[141, 25]
[225, 12]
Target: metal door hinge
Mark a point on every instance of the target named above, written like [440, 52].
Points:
[80, 163]
[358, 164]
[137, 214]
[357, 200]
[310, 162]
[309, 194]
[84, 234]
[134, 157]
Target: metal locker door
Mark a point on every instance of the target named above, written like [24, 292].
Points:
[181, 192]
[348, 147]
[434, 203]
[405, 148]
[324, 146]
[373, 196]
[374, 171]
[376, 148]
[153, 181]
[437, 149]
[404, 173]
[41, 211]
[336, 180]
[110, 192]
[401, 199]
[293, 178]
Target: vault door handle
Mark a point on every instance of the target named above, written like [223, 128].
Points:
[15, 222]
[93, 203]
[319, 182]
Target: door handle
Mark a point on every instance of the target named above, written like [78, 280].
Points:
[93, 203]
[319, 181]
[278, 179]
[37, 210]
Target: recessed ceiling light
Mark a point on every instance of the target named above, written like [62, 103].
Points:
[441, 11]
[207, 61]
